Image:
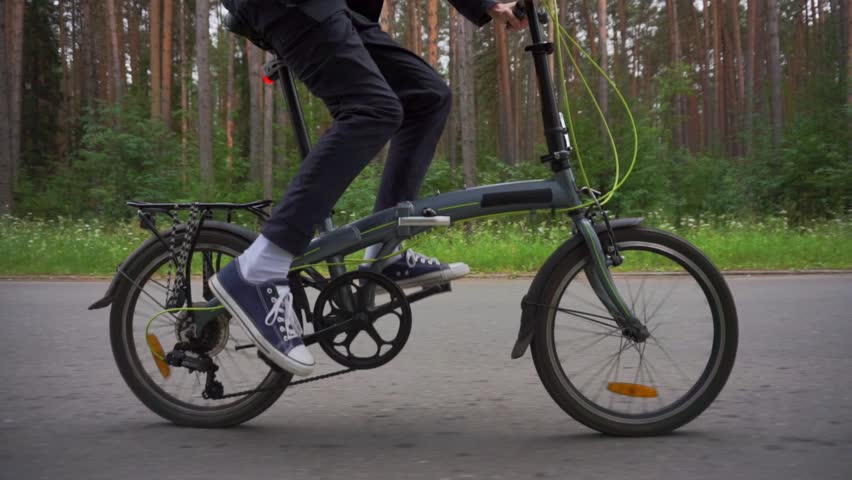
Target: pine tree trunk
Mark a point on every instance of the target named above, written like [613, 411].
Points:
[706, 95]
[166, 84]
[156, 63]
[718, 75]
[603, 86]
[677, 57]
[184, 94]
[134, 32]
[590, 28]
[7, 199]
[15, 46]
[467, 113]
[268, 137]
[506, 127]
[413, 27]
[774, 71]
[255, 118]
[748, 114]
[229, 110]
[432, 32]
[453, 123]
[115, 49]
[388, 16]
[738, 66]
[205, 115]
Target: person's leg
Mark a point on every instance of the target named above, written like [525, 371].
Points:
[426, 103]
[330, 58]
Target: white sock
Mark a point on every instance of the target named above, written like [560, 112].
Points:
[264, 261]
[373, 252]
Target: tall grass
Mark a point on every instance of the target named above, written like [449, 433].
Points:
[65, 246]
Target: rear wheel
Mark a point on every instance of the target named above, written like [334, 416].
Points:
[615, 385]
[173, 392]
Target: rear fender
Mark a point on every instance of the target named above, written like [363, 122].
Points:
[107, 299]
[530, 303]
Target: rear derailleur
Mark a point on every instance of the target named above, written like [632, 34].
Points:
[202, 363]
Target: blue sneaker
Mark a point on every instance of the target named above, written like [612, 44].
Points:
[412, 269]
[266, 311]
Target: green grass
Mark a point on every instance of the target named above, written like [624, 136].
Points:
[72, 247]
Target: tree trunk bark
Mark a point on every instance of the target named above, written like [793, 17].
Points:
[453, 123]
[467, 100]
[432, 32]
[590, 28]
[166, 84]
[774, 72]
[603, 86]
[506, 127]
[156, 63]
[413, 28]
[15, 46]
[115, 50]
[268, 137]
[184, 94]
[229, 110]
[255, 117]
[388, 16]
[748, 114]
[205, 117]
[7, 199]
[134, 32]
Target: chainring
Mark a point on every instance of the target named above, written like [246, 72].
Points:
[370, 310]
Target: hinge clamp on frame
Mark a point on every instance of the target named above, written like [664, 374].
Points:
[559, 161]
[543, 47]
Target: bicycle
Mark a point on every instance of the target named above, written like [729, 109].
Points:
[362, 319]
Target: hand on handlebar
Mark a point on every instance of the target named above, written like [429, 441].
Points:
[502, 12]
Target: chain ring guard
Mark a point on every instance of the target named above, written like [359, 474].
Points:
[361, 317]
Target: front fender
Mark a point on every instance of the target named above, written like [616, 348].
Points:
[107, 299]
[530, 305]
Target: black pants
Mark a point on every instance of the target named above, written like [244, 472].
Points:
[375, 90]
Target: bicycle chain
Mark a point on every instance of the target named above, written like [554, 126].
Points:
[179, 260]
[291, 384]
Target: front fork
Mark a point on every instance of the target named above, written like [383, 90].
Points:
[598, 272]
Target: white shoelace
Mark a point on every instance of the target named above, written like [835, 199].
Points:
[282, 312]
[412, 257]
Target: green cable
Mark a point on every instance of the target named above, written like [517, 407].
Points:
[562, 35]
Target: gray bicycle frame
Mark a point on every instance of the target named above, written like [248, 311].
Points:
[387, 227]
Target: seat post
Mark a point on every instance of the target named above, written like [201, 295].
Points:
[297, 118]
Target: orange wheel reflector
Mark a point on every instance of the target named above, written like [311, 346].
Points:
[159, 355]
[632, 390]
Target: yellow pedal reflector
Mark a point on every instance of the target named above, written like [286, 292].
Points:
[632, 390]
[159, 355]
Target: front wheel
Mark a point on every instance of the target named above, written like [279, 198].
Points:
[620, 387]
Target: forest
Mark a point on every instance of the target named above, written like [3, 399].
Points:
[743, 108]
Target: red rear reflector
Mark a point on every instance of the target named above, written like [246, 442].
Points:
[267, 80]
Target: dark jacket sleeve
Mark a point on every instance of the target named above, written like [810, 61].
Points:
[474, 10]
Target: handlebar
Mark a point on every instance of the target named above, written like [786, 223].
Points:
[519, 11]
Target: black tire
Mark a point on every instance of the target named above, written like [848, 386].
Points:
[232, 411]
[710, 380]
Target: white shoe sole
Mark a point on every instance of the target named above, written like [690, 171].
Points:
[268, 350]
[456, 270]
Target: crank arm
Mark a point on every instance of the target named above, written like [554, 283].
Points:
[327, 333]
[416, 296]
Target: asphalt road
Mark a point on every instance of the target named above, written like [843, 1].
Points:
[452, 405]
